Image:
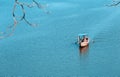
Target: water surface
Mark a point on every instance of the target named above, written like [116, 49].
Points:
[50, 49]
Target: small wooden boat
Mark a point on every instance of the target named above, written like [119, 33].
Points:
[84, 44]
[83, 40]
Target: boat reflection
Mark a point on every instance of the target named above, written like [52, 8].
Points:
[84, 50]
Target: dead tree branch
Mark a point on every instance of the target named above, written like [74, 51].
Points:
[114, 3]
[10, 29]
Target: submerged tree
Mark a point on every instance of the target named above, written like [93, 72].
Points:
[10, 29]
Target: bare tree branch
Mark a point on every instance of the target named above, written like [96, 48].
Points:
[115, 3]
[10, 29]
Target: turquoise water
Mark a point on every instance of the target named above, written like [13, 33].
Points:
[50, 49]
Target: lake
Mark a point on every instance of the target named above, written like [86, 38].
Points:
[49, 50]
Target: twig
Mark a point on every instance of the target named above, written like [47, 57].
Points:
[10, 29]
[116, 3]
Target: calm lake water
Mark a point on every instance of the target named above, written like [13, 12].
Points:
[49, 50]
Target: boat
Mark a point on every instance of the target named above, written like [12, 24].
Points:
[84, 44]
[83, 40]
